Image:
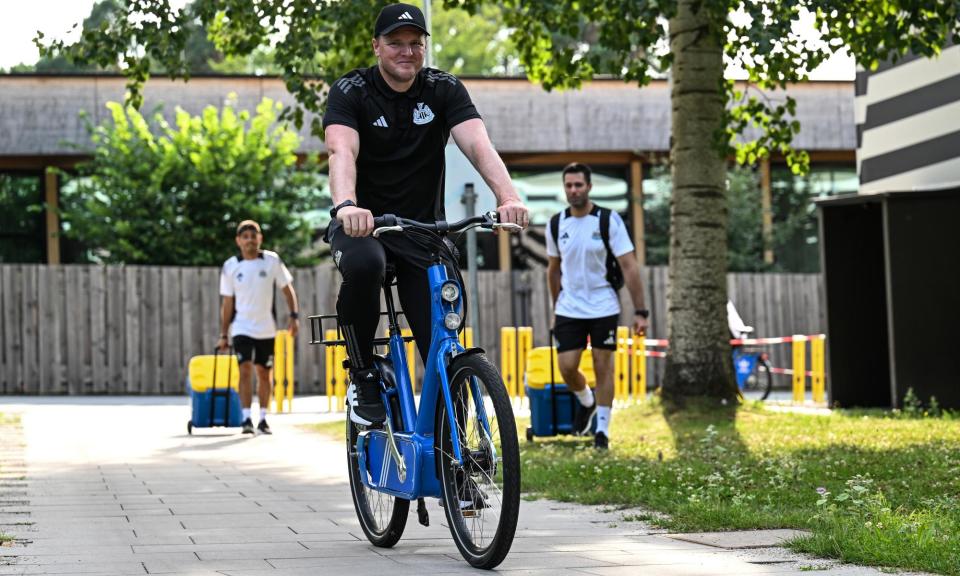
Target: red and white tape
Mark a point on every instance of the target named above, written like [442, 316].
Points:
[660, 343]
[781, 340]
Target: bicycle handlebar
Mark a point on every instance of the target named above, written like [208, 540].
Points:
[391, 223]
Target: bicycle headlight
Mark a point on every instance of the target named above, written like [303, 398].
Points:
[450, 292]
[451, 320]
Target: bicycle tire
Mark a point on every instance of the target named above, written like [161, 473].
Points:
[482, 533]
[382, 517]
[767, 377]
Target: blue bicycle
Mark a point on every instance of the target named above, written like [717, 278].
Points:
[460, 445]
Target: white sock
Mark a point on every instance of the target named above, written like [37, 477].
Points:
[585, 396]
[246, 413]
[263, 414]
[603, 419]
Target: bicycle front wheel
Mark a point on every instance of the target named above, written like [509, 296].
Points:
[382, 517]
[481, 496]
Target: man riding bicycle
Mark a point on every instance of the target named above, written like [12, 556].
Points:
[386, 130]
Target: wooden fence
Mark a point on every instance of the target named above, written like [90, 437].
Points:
[132, 329]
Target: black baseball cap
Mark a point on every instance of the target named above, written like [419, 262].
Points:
[394, 16]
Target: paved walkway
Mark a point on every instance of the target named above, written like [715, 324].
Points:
[115, 486]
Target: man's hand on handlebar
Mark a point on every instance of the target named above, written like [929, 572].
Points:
[514, 212]
[356, 221]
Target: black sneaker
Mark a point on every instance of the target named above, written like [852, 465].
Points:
[601, 442]
[264, 428]
[248, 426]
[583, 418]
[363, 395]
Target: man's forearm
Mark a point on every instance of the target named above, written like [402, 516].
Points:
[343, 178]
[635, 286]
[291, 297]
[553, 282]
[494, 173]
[226, 315]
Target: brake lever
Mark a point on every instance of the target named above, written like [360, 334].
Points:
[382, 229]
[508, 226]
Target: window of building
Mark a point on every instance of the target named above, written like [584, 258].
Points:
[21, 218]
[795, 229]
[796, 244]
[542, 191]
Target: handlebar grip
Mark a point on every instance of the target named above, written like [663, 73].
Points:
[385, 220]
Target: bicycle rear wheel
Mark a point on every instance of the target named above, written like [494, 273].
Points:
[382, 517]
[764, 380]
[481, 497]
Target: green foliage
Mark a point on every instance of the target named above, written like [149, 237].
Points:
[473, 44]
[561, 43]
[706, 469]
[913, 407]
[157, 193]
[859, 524]
[744, 231]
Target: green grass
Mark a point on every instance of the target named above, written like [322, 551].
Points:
[889, 486]
[334, 429]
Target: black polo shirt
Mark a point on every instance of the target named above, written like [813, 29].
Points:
[400, 167]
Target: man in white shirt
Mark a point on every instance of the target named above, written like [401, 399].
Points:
[247, 284]
[585, 302]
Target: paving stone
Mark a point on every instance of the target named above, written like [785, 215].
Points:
[222, 505]
[194, 566]
[742, 538]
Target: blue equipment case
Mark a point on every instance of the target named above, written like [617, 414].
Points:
[553, 408]
[213, 405]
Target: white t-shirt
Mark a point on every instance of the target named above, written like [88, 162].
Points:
[585, 292]
[251, 283]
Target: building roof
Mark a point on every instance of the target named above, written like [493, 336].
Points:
[40, 114]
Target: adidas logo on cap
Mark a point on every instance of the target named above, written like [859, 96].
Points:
[405, 16]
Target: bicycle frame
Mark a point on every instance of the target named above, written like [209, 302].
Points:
[411, 447]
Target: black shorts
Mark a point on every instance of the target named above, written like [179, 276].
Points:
[572, 333]
[260, 350]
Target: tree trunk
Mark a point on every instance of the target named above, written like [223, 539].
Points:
[699, 362]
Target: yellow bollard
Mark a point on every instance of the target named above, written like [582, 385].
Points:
[466, 337]
[524, 344]
[817, 366]
[639, 370]
[329, 379]
[621, 364]
[508, 359]
[799, 368]
[283, 375]
[411, 347]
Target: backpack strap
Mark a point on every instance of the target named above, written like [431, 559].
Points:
[555, 227]
[604, 215]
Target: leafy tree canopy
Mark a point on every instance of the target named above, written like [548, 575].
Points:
[156, 193]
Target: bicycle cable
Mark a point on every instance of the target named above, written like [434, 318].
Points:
[436, 241]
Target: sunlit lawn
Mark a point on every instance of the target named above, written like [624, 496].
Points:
[872, 487]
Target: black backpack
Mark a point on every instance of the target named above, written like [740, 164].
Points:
[614, 273]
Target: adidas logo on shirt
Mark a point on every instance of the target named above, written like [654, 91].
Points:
[405, 16]
[381, 122]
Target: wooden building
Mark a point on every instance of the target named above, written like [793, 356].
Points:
[616, 127]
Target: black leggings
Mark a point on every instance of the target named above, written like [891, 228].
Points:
[362, 263]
